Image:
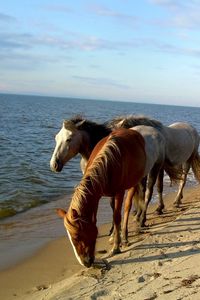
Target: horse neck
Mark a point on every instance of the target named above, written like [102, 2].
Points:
[85, 150]
[90, 137]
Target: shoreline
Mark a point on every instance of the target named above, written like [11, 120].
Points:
[25, 234]
[55, 261]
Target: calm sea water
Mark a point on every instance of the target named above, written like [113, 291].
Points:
[28, 125]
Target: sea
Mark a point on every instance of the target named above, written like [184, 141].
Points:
[29, 190]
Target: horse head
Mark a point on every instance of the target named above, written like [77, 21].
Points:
[68, 141]
[82, 235]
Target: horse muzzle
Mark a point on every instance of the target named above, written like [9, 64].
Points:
[56, 165]
[88, 261]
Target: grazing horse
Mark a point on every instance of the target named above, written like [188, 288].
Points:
[117, 163]
[182, 142]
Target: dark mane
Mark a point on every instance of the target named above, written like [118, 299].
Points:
[133, 120]
[95, 131]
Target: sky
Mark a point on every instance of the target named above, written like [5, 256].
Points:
[145, 51]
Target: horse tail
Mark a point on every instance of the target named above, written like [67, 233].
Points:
[195, 164]
[174, 172]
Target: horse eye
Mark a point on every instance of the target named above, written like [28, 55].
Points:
[68, 140]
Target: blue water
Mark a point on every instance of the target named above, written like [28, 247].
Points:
[28, 125]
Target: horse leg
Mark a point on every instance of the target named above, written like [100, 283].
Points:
[117, 221]
[150, 184]
[161, 205]
[127, 208]
[139, 201]
[179, 196]
[112, 205]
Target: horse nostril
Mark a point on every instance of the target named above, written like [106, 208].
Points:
[56, 165]
[59, 165]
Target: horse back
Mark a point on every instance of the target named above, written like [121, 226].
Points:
[132, 156]
[182, 142]
[154, 145]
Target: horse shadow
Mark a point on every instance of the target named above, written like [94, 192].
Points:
[189, 223]
[168, 256]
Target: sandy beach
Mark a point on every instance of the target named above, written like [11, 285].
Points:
[160, 263]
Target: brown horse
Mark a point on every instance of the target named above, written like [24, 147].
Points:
[117, 163]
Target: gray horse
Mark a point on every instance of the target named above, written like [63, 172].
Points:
[182, 142]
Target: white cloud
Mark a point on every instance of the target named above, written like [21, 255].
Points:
[104, 11]
[183, 14]
[58, 8]
[6, 18]
[99, 81]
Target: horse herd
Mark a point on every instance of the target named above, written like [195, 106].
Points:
[127, 153]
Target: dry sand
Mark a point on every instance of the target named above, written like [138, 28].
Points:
[161, 263]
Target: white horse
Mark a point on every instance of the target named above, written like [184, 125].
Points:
[77, 136]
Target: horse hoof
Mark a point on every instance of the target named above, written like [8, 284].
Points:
[142, 223]
[125, 243]
[139, 230]
[158, 212]
[143, 226]
[114, 252]
[177, 205]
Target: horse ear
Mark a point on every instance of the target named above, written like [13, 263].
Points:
[80, 123]
[61, 212]
[120, 124]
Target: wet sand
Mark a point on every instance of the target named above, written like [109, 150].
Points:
[54, 273]
[25, 233]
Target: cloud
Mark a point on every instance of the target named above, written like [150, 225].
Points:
[170, 4]
[101, 10]
[25, 43]
[6, 18]
[15, 41]
[24, 61]
[99, 81]
[58, 8]
[183, 14]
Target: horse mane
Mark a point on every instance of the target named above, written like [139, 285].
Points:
[95, 131]
[133, 120]
[97, 175]
[71, 224]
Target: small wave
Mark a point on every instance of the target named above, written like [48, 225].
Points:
[9, 209]
[7, 212]
[35, 180]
